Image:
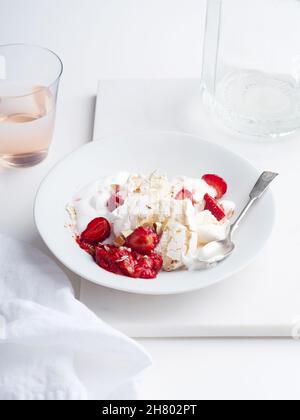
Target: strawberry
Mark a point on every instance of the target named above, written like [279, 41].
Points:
[124, 261]
[127, 264]
[147, 266]
[217, 183]
[214, 207]
[97, 231]
[110, 258]
[142, 272]
[184, 194]
[143, 240]
[157, 261]
[106, 257]
[114, 202]
[89, 248]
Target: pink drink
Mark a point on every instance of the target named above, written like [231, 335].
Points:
[29, 80]
[26, 125]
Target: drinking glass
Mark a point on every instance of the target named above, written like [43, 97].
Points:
[251, 67]
[29, 80]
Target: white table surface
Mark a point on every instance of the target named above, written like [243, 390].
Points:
[135, 38]
[255, 302]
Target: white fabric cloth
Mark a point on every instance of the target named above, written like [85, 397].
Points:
[51, 346]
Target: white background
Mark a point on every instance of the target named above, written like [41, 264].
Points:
[135, 38]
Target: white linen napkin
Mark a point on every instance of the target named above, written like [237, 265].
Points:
[51, 346]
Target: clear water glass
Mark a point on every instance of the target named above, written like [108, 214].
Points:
[29, 81]
[251, 67]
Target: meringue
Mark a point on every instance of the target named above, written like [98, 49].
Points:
[184, 224]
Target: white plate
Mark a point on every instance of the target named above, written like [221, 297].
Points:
[176, 154]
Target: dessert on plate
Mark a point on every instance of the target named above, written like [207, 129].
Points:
[137, 225]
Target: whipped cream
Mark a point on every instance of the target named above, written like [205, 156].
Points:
[206, 253]
[185, 226]
[91, 201]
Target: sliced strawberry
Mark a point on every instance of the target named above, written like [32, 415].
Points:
[157, 261]
[217, 183]
[142, 272]
[214, 207]
[146, 267]
[127, 265]
[108, 257]
[184, 194]
[114, 202]
[142, 240]
[90, 249]
[124, 261]
[97, 231]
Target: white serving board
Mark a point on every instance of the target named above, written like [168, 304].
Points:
[261, 301]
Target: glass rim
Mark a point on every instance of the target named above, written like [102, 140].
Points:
[56, 79]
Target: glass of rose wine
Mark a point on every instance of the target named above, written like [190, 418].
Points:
[29, 80]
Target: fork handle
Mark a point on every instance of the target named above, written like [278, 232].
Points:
[259, 188]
